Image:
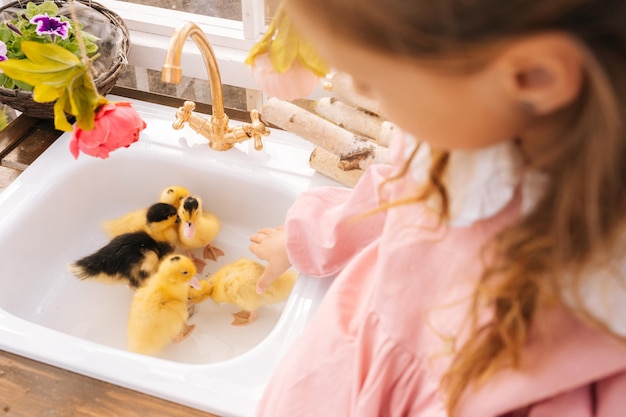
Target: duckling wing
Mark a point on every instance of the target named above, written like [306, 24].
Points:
[209, 226]
[242, 292]
[153, 323]
[128, 223]
[239, 280]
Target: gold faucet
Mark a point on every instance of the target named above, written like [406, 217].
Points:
[221, 137]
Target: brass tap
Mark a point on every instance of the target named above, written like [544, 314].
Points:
[221, 137]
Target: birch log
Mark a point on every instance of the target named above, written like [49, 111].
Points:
[353, 150]
[342, 87]
[327, 164]
[387, 131]
[351, 118]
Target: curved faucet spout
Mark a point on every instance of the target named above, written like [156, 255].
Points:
[216, 130]
[172, 72]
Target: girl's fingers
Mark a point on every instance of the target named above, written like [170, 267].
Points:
[272, 271]
[264, 233]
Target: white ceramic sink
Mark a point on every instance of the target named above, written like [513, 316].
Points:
[51, 215]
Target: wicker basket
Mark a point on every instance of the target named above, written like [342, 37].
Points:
[113, 49]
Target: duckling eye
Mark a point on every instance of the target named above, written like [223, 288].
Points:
[185, 272]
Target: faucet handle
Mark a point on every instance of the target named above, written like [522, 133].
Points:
[257, 129]
[184, 114]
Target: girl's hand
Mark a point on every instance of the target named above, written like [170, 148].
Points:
[270, 245]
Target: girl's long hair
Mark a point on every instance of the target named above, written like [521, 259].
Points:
[582, 211]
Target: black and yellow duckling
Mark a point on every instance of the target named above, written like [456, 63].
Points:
[129, 258]
[160, 221]
[136, 220]
[174, 195]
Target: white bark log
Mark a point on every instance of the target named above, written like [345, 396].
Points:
[353, 150]
[327, 164]
[387, 131]
[342, 87]
[351, 118]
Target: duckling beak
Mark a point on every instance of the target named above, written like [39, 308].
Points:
[195, 283]
[189, 230]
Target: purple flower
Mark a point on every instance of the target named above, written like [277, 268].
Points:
[52, 26]
[3, 51]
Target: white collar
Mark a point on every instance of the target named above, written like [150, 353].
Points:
[480, 183]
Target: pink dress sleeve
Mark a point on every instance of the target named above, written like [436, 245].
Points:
[611, 396]
[327, 226]
[576, 403]
[604, 398]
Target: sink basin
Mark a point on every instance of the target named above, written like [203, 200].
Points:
[51, 216]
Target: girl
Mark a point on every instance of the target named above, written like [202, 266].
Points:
[482, 273]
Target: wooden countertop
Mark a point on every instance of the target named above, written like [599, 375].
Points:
[33, 389]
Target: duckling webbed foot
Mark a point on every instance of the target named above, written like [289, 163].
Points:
[198, 262]
[191, 308]
[212, 253]
[185, 332]
[243, 318]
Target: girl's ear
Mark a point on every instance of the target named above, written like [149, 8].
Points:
[543, 73]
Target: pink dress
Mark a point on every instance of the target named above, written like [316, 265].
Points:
[387, 329]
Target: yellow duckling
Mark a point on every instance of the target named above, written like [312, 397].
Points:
[158, 311]
[235, 283]
[197, 230]
[136, 220]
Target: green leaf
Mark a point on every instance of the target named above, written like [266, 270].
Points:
[5, 34]
[22, 85]
[91, 48]
[309, 58]
[60, 119]
[49, 54]
[6, 82]
[60, 76]
[259, 48]
[47, 7]
[89, 38]
[35, 74]
[284, 47]
[45, 93]
[263, 45]
[83, 101]
[31, 9]
[45, 64]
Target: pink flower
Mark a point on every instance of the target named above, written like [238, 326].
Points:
[296, 82]
[115, 125]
